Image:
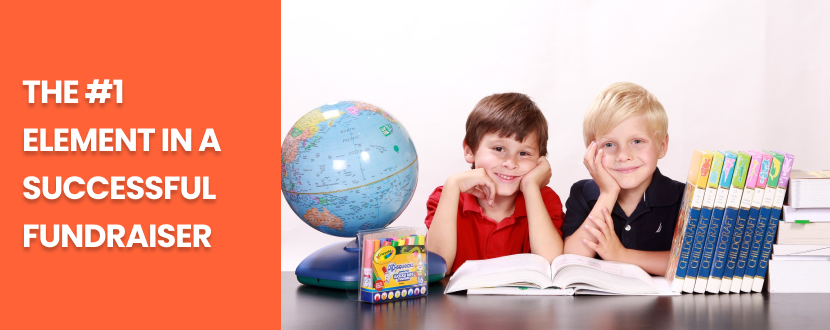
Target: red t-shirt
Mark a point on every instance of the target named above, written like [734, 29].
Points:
[479, 237]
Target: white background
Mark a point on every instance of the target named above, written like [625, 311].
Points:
[731, 75]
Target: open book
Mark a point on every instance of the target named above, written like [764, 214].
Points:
[569, 274]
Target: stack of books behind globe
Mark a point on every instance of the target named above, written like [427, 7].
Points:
[801, 258]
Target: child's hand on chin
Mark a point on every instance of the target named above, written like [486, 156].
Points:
[593, 162]
[538, 177]
[475, 182]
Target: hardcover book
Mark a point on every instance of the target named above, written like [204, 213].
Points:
[712, 185]
[813, 233]
[740, 222]
[772, 227]
[687, 219]
[733, 204]
[791, 214]
[752, 220]
[763, 220]
[707, 257]
[798, 276]
[810, 189]
[568, 274]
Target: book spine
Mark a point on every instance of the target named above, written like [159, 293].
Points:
[707, 257]
[731, 266]
[772, 228]
[708, 251]
[724, 240]
[746, 244]
[688, 237]
[755, 251]
[740, 222]
[687, 219]
[761, 227]
[751, 223]
[703, 223]
[733, 204]
[699, 240]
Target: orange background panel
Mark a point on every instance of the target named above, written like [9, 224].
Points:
[191, 65]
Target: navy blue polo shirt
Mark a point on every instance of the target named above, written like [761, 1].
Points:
[649, 228]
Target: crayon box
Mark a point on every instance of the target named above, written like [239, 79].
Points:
[393, 264]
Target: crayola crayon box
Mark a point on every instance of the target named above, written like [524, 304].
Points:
[393, 264]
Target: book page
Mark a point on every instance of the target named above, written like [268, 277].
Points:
[520, 269]
[663, 290]
[522, 277]
[573, 259]
[520, 291]
[589, 273]
[525, 261]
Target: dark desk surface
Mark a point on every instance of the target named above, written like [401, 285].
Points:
[307, 307]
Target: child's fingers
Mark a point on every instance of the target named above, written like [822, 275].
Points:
[587, 150]
[596, 232]
[598, 159]
[599, 223]
[590, 233]
[545, 163]
[591, 245]
[485, 192]
[478, 192]
[590, 154]
[608, 220]
[491, 191]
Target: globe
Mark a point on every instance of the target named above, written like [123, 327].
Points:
[348, 166]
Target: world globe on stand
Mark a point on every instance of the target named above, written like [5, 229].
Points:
[348, 166]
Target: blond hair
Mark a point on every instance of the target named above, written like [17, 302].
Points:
[619, 102]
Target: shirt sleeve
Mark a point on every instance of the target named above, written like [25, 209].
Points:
[432, 204]
[554, 206]
[577, 210]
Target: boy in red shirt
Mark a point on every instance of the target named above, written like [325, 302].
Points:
[502, 206]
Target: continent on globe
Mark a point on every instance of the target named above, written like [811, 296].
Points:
[304, 129]
[317, 219]
[368, 107]
[289, 149]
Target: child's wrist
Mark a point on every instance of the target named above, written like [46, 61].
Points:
[528, 186]
[622, 255]
[452, 183]
[610, 192]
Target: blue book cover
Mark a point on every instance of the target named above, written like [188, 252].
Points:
[687, 219]
[733, 204]
[707, 256]
[688, 241]
[775, 215]
[755, 248]
[741, 222]
[703, 224]
[763, 221]
[751, 222]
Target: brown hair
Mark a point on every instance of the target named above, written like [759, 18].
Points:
[511, 115]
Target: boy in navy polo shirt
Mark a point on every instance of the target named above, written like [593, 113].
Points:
[628, 211]
[502, 206]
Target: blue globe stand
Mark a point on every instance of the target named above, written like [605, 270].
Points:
[337, 266]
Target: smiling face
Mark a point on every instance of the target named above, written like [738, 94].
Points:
[505, 160]
[631, 153]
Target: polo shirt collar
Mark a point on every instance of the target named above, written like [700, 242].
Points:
[660, 192]
[471, 205]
